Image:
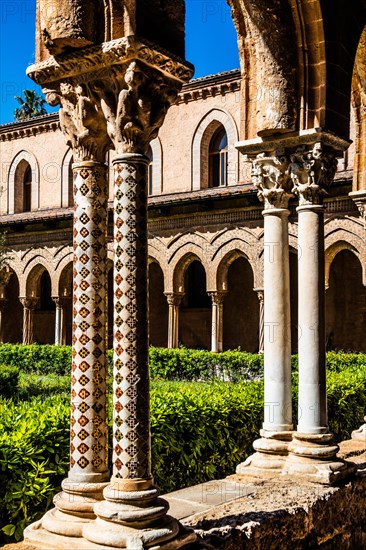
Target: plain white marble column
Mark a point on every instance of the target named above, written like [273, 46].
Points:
[312, 452]
[217, 321]
[277, 326]
[312, 416]
[58, 321]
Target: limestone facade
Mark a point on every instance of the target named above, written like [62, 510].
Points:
[204, 238]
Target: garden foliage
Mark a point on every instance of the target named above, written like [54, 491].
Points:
[200, 430]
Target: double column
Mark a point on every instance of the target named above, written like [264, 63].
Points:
[217, 336]
[121, 108]
[306, 168]
[29, 305]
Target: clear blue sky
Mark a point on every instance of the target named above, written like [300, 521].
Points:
[210, 45]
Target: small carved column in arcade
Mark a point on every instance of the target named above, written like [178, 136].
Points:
[3, 303]
[174, 299]
[59, 320]
[217, 320]
[29, 305]
[270, 176]
[5, 275]
[260, 294]
[313, 452]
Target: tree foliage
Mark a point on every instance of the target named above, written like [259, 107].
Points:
[31, 106]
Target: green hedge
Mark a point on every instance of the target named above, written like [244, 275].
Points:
[34, 442]
[9, 379]
[167, 364]
[200, 431]
[188, 364]
[45, 359]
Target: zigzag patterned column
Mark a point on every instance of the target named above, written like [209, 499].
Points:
[89, 431]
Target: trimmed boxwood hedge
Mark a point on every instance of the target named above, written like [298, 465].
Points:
[200, 431]
[9, 379]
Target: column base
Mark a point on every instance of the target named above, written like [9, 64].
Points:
[326, 472]
[134, 517]
[168, 534]
[312, 457]
[360, 434]
[270, 458]
[74, 506]
[39, 537]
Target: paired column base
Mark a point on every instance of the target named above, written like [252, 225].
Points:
[313, 458]
[270, 458]
[39, 537]
[309, 457]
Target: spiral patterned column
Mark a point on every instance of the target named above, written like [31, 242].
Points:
[89, 431]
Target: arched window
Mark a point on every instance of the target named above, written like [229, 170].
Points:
[27, 189]
[149, 155]
[218, 159]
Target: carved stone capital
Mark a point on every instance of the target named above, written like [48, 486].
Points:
[260, 294]
[115, 94]
[60, 301]
[359, 198]
[29, 303]
[217, 296]
[270, 176]
[82, 120]
[312, 171]
[173, 298]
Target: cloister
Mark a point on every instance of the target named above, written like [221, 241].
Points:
[212, 252]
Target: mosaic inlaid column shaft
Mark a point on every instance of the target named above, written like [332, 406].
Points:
[131, 427]
[89, 432]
